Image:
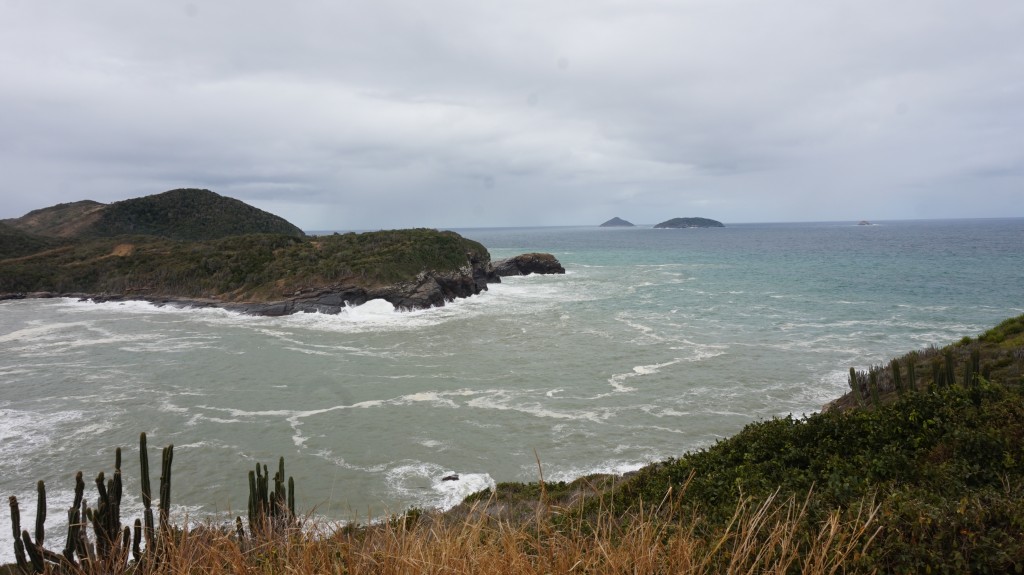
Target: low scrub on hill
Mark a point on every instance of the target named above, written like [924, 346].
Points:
[15, 242]
[256, 266]
[187, 214]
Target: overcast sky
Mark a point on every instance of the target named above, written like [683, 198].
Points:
[438, 113]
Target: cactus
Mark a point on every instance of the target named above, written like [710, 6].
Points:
[950, 368]
[855, 386]
[936, 374]
[147, 491]
[34, 553]
[75, 517]
[112, 540]
[106, 518]
[911, 371]
[165, 486]
[136, 541]
[873, 385]
[268, 511]
[291, 497]
[896, 377]
[19, 547]
[975, 365]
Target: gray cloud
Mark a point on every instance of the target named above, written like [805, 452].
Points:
[354, 115]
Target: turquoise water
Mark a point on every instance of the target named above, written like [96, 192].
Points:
[654, 343]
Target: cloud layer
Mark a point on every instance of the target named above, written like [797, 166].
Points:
[364, 115]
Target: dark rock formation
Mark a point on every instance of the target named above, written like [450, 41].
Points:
[690, 223]
[526, 264]
[617, 222]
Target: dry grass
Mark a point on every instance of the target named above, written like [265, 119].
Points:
[768, 536]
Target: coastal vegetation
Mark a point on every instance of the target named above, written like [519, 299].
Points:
[196, 244]
[917, 470]
[234, 268]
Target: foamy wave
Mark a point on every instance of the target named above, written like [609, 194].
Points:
[27, 432]
[503, 400]
[571, 473]
[513, 294]
[618, 381]
[424, 483]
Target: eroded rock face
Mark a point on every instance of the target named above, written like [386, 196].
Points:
[526, 264]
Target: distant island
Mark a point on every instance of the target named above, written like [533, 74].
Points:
[195, 247]
[617, 223]
[690, 223]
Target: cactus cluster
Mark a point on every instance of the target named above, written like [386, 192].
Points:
[112, 541]
[269, 512]
[868, 386]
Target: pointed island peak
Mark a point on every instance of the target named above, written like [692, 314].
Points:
[617, 222]
[690, 223]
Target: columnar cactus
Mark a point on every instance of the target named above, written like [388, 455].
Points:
[950, 369]
[112, 541]
[270, 511]
[911, 371]
[897, 379]
[873, 385]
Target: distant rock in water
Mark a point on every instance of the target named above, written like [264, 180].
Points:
[526, 264]
[617, 222]
[864, 223]
[690, 223]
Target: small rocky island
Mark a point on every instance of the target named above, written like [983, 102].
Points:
[193, 247]
[676, 223]
[617, 223]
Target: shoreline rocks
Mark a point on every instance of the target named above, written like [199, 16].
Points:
[526, 264]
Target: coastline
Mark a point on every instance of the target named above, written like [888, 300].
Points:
[429, 289]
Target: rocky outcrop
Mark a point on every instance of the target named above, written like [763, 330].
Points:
[617, 222]
[526, 264]
[690, 223]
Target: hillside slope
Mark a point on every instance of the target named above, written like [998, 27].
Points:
[60, 221]
[187, 214]
[182, 214]
[15, 242]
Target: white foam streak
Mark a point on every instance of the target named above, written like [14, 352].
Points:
[424, 483]
[618, 381]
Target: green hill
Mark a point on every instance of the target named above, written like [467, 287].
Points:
[183, 214]
[187, 214]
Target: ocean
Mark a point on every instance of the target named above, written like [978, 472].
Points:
[654, 343]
